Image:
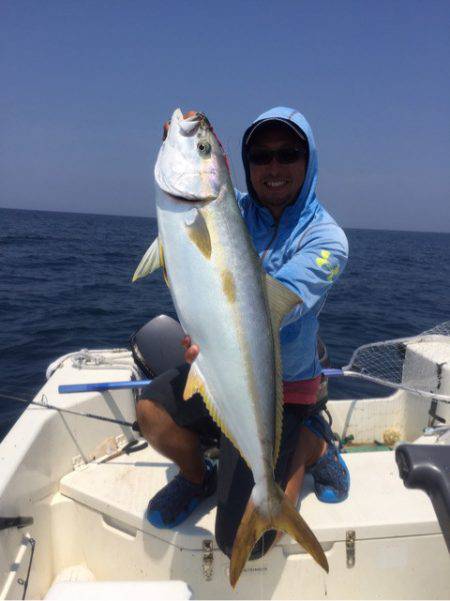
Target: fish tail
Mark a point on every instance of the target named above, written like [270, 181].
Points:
[254, 523]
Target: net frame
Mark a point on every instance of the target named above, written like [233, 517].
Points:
[383, 362]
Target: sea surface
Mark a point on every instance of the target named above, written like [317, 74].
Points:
[65, 284]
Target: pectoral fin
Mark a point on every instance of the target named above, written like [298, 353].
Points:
[198, 232]
[151, 261]
[281, 301]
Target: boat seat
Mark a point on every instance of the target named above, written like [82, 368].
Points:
[378, 504]
[110, 590]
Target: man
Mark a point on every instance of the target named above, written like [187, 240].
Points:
[300, 245]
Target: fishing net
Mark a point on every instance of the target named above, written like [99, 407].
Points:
[420, 363]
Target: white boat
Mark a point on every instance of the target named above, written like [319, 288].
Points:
[79, 499]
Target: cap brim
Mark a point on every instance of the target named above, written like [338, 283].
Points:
[258, 124]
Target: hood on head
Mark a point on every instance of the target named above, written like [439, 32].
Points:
[296, 121]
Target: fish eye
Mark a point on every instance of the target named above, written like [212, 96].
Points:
[204, 147]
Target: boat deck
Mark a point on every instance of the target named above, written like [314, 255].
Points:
[120, 489]
[91, 519]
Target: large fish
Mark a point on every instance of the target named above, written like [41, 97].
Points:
[232, 310]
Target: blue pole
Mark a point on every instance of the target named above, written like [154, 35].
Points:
[103, 386]
[332, 372]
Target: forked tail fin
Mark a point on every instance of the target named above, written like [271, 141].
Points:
[254, 524]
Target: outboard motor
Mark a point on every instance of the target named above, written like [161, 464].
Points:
[156, 347]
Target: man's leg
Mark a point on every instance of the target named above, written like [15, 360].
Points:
[178, 444]
[309, 450]
[235, 483]
[175, 428]
[330, 473]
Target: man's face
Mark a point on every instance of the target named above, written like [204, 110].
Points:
[276, 184]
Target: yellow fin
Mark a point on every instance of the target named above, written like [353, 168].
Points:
[196, 384]
[198, 232]
[163, 263]
[281, 301]
[150, 262]
[254, 523]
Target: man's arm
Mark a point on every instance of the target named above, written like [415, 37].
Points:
[314, 267]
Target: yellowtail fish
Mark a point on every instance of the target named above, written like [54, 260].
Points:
[232, 310]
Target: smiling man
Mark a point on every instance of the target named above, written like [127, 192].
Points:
[277, 161]
[301, 245]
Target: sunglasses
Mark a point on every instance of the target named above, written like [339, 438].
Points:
[285, 156]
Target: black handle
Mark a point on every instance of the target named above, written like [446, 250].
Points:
[427, 467]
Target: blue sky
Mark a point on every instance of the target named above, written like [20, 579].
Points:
[86, 86]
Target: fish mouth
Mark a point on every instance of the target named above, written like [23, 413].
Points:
[191, 199]
[190, 124]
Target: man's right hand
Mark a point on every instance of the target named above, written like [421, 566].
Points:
[192, 350]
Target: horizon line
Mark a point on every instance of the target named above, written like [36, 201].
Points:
[370, 229]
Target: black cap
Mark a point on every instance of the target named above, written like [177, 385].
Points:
[258, 124]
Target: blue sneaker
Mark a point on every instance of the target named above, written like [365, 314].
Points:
[177, 500]
[331, 475]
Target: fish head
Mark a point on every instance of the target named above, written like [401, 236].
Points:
[191, 164]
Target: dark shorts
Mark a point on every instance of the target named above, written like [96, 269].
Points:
[235, 479]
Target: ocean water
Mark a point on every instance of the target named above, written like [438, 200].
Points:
[65, 284]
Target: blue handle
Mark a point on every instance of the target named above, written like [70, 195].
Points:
[332, 372]
[102, 386]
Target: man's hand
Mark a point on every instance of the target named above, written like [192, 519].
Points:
[192, 350]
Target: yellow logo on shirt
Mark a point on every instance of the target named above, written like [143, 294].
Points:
[324, 261]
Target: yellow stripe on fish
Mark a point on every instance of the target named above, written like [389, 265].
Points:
[228, 285]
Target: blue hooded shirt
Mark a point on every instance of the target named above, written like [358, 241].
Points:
[305, 250]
